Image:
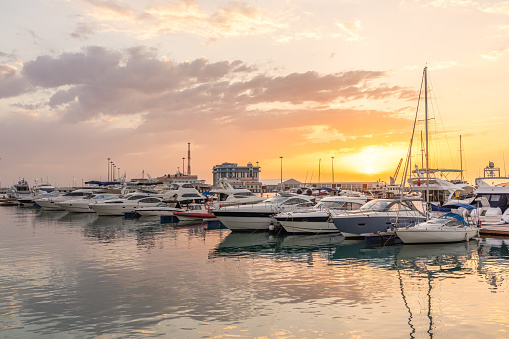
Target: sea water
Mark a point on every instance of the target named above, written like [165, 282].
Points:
[67, 275]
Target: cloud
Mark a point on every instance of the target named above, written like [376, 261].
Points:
[101, 82]
[351, 29]
[495, 55]
[185, 16]
[11, 84]
[83, 30]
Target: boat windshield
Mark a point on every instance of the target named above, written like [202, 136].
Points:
[444, 222]
[243, 195]
[380, 205]
[327, 205]
[276, 199]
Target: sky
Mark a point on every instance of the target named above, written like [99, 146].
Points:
[327, 84]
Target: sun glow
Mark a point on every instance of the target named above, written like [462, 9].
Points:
[374, 159]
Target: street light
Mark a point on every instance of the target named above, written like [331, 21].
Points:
[332, 169]
[281, 172]
[109, 169]
[183, 171]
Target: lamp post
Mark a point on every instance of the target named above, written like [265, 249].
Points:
[281, 172]
[118, 173]
[113, 172]
[108, 169]
[183, 171]
[319, 169]
[332, 169]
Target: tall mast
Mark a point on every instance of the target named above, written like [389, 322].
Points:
[188, 159]
[426, 120]
[461, 162]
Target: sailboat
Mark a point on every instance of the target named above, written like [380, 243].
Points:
[450, 227]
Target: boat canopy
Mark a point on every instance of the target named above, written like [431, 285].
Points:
[454, 216]
[458, 205]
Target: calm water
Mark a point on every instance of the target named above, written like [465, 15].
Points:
[83, 276]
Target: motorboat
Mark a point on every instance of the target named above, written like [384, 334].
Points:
[450, 227]
[380, 215]
[22, 192]
[183, 194]
[160, 210]
[50, 203]
[440, 190]
[82, 205]
[195, 212]
[127, 204]
[260, 217]
[319, 218]
[227, 195]
[491, 198]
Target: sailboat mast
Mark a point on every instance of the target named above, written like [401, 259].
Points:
[426, 120]
[461, 162]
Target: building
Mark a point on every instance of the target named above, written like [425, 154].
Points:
[239, 176]
[276, 185]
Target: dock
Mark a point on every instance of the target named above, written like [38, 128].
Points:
[500, 230]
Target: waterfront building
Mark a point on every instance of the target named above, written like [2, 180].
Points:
[275, 185]
[238, 176]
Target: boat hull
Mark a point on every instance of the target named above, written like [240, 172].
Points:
[245, 221]
[186, 216]
[307, 224]
[418, 236]
[372, 223]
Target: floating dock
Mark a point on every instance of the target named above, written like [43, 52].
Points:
[501, 230]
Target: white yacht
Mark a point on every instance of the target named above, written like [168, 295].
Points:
[50, 203]
[22, 192]
[380, 215]
[259, 217]
[183, 194]
[127, 204]
[227, 195]
[440, 189]
[450, 227]
[491, 198]
[82, 205]
[319, 218]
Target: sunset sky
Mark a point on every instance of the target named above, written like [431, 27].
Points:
[248, 81]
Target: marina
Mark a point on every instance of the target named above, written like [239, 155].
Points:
[83, 275]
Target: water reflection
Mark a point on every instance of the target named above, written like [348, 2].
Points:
[74, 275]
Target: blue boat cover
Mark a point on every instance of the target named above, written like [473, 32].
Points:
[457, 205]
[436, 208]
[455, 216]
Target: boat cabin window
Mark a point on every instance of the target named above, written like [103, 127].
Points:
[150, 200]
[187, 186]
[276, 199]
[243, 194]
[296, 201]
[399, 207]
[376, 205]
[136, 197]
[190, 195]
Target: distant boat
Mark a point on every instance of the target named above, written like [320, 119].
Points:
[195, 212]
[260, 217]
[127, 204]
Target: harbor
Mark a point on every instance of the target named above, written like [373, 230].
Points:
[83, 275]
